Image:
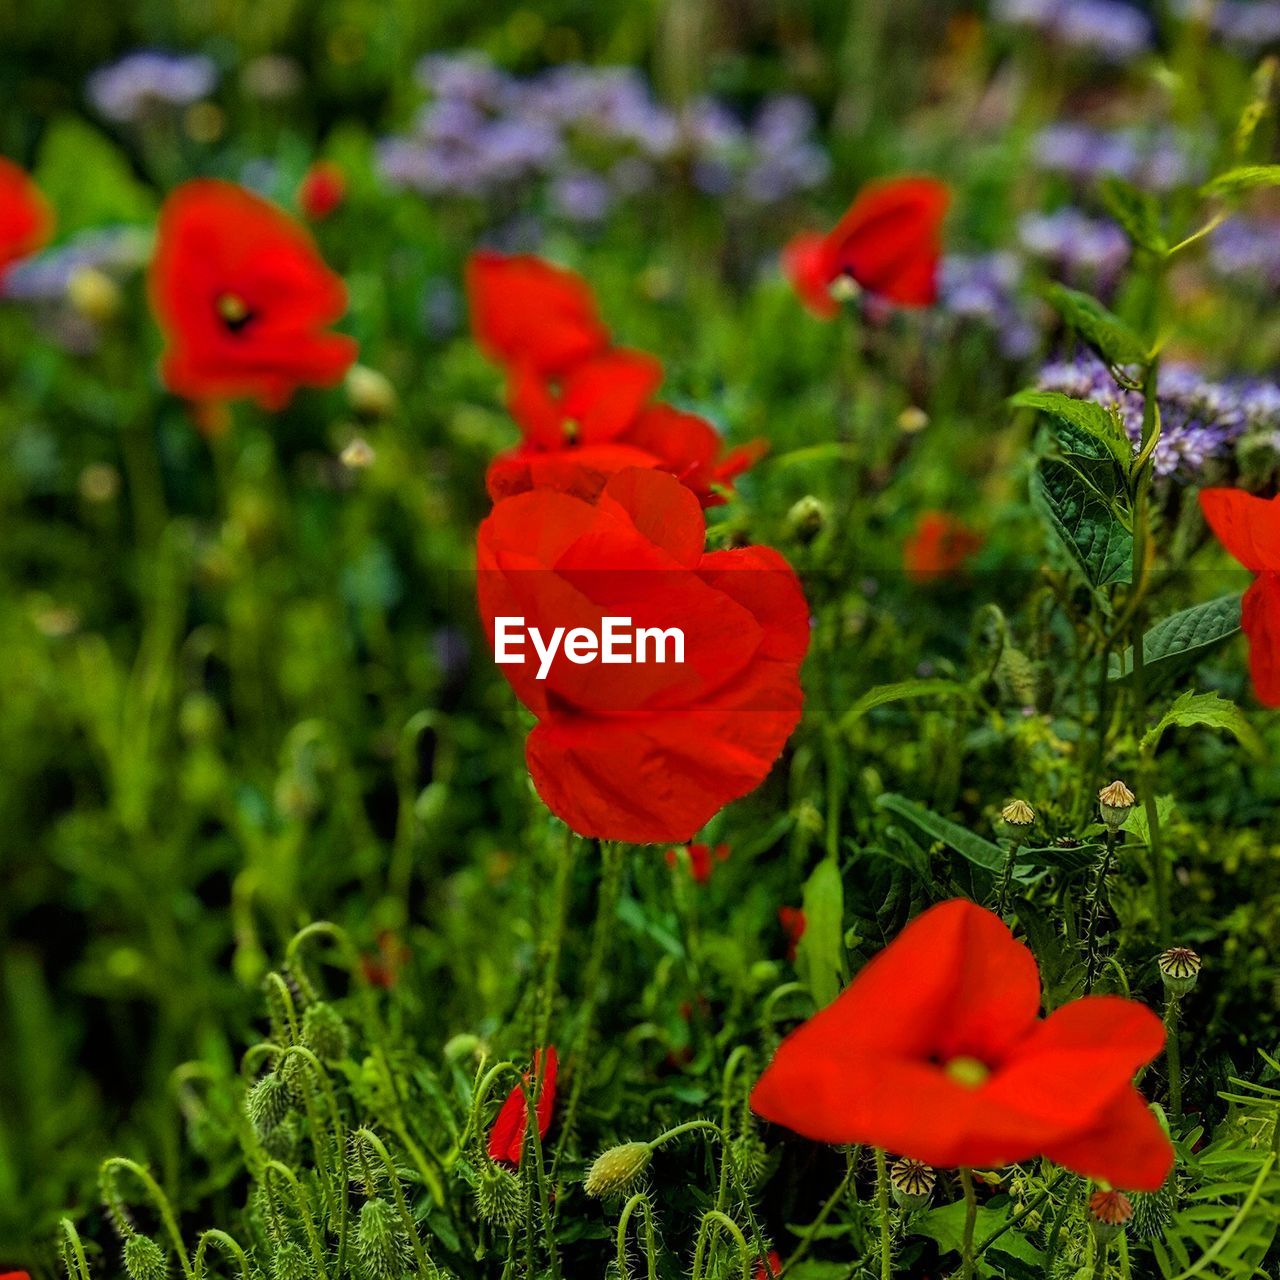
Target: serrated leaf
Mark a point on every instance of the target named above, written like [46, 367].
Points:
[1182, 639]
[820, 951]
[1136, 822]
[902, 691]
[1137, 211]
[1103, 330]
[1248, 177]
[1095, 420]
[982, 853]
[1210, 711]
[1084, 522]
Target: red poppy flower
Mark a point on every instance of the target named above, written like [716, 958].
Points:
[939, 545]
[774, 1268]
[243, 298]
[382, 969]
[702, 859]
[26, 221]
[1249, 528]
[644, 751]
[322, 189]
[506, 1140]
[793, 926]
[526, 312]
[936, 1051]
[889, 243]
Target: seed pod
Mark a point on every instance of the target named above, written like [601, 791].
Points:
[267, 1103]
[807, 519]
[144, 1259]
[912, 1183]
[617, 1170]
[1114, 803]
[381, 1247]
[1108, 1213]
[1019, 815]
[325, 1033]
[499, 1195]
[1179, 970]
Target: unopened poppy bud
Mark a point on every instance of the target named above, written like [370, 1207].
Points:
[380, 1242]
[325, 1033]
[617, 1170]
[1179, 968]
[463, 1045]
[912, 1183]
[1018, 816]
[807, 519]
[749, 1156]
[499, 1196]
[144, 1259]
[93, 294]
[291, 1262]
[1108, 1213]
[358, 454]
[912, 420]
[370, 392]
[99, 482]
[268, 1102]
[1114, 802]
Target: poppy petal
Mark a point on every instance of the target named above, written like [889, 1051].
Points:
[1127, 1147]
[807, 263]
[1248, 526]
[1260, 619]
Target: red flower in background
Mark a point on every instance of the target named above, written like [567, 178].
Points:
[645, 752]
[382, 968]
[939, 546]
[506, 1139]
[1249, 528]
[702, 859]
[26, 221]
[889, 243]
[243, 298]
[936, 1051]
[322, 189]
[584, 407]
[793, 926]
[774, 1268]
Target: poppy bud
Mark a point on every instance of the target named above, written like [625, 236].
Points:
[144, 1259]
[499, 1196]
[912, 1183]
[464, 1045]
[291, 1262]
[358, 454]
[325, 1033]
[268, 1102]
[1179, 968]
[748, 1155]
[1152, 1211]
[1018, 815]
[617, 1170]
[912, 420]
[807, 519]
[1114, 802]
[371, 394]
[380, 1242]
[93, 294]
[1108, 1213]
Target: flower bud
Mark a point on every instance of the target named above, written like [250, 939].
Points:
[1114, 803]
[267, 1103]
[1108, 1213]
[381, 1247]
[1018, 816]
[807, 519]
[371, 394]
[499, 1196]
[144, 1259]
[912, 1183]
[749, 1156]
[1152, 1211]
[291, 1262]
[1179, 968]
[358, 454]
[325, 1033]
[617, 1170]
[912, 419]
[93, 294]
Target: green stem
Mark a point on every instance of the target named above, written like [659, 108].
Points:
[1173, 1056]
[1095, 910]
[808, 1233]
[163, 1207]
[555, 944]
[970, 1219]
[882, 1200]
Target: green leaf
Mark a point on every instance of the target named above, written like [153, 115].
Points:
[1179, 641]
[88, 179]
[1136, 822]
[1248, 177]
[820, 951]
[1209, 710]
[902, 691]
[1084, 521]
[982, 853]
[1104, 331]
[1093, 419]
[945, 1226]
[1138, 212]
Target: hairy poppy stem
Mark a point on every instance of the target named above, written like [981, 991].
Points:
[882, 1200]
[1173, 1056]
[970, 1219]
[565, 865]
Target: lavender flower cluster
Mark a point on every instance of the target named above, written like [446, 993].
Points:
[594, 136]
[1157, 159]
[986, 288]
[1081, 249]
[1109, 30]
[1247, 251]
[149, 81]
[1247, 24]
[1200, 419]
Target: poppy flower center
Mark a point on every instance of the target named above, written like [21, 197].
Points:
[967, 1072]
[571, 430]
[233, 311]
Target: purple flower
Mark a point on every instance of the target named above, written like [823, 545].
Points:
[1247, 251]
[984, 288]
[46, 276]
[581, 196]
[1109, 30]
[1080, 247]
[142, 83]
[1157, 159]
